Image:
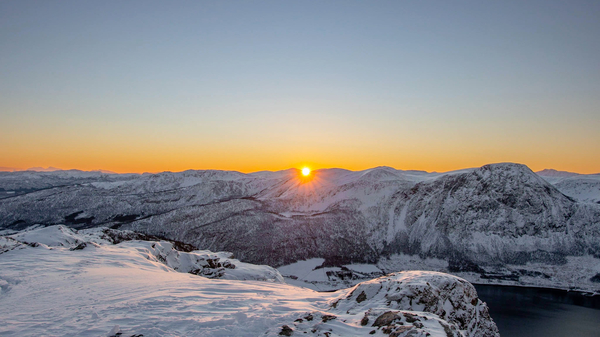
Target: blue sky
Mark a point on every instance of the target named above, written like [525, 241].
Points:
[251, 85]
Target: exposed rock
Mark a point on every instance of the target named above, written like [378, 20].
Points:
[79, 246]
[361, 297]
[386, 318]
[286, 331]
[326, 318]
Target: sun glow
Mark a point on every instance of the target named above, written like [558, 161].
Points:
[305, 171]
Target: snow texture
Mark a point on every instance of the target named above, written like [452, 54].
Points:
[78, 283]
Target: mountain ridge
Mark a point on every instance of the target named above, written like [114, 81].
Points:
[488, 217]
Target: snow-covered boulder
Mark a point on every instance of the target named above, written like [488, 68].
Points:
[449, 297]
[415, 303]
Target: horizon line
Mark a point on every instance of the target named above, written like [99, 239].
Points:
[56, 169]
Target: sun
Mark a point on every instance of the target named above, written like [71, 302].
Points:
[305, 171]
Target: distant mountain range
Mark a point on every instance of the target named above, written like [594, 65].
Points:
[555, 173]
[47, 169]
[501, 222]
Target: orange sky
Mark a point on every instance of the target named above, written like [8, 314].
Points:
[252, 86]
[442, 139]
[138, 151]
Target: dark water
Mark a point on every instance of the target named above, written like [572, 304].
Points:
[541, 312]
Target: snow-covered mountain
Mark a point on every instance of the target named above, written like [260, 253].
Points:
[497, 223]
[583, 187]
[55, 281]
[551, 173]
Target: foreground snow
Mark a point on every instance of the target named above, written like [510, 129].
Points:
[200, 262]
[58, 282]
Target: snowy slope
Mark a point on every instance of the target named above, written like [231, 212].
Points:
[480, 220]
[208, 264]
[582, 187]
[59, 288]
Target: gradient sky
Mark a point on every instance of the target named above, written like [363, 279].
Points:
[134, 86]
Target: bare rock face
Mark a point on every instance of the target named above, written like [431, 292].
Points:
[416, 303]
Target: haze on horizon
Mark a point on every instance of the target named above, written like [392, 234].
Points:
[148, 86]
